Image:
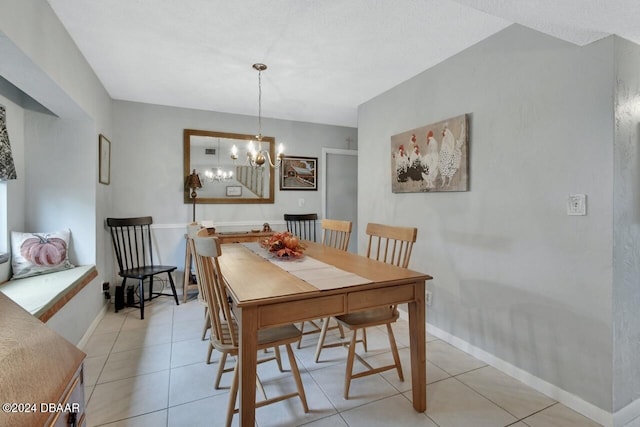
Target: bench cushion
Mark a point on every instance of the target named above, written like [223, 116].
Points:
[45, 294]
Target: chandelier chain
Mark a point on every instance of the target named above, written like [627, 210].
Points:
[260, 104]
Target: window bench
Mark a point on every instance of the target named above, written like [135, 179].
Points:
[45, 294]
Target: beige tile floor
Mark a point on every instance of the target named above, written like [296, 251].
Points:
[152, 373]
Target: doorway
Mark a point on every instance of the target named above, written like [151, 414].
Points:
[340, 189]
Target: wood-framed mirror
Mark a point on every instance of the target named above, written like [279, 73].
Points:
[224, 180]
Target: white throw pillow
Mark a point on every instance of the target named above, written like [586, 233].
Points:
[39, 253]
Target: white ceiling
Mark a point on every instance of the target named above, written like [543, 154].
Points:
[325, 57]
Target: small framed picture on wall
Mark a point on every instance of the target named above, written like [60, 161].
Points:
[299, 173]
[104, 160]
[234, 191]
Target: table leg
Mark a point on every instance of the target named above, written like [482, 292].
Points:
[248, 358]
[417, 342]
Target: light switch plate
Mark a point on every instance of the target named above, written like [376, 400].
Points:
[577, 204]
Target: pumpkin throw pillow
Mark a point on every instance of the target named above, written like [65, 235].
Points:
[39, 253]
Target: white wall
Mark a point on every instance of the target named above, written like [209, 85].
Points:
[147, 175]
[513, 275]
[626, 247]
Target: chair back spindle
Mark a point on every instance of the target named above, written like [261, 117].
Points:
[390, 244]
[336, 233]
[132, 241]
[302, 225]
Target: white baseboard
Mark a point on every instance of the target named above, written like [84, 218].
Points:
[628, 416]
[568, 399]
[92, 327]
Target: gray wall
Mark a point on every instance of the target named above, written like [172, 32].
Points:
[626, 231]
[57, 182]
[513, 274]
[147, 175]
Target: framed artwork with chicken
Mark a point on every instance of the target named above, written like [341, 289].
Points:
[431, 158]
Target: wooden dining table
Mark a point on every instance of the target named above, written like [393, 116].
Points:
[264, 295]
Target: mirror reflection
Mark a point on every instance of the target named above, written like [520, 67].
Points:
[223, 179]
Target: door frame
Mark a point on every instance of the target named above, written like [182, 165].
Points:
[325, 153]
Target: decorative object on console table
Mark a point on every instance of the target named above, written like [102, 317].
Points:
[431, 158]
[104, 165]
[193, 183]
[299, 173]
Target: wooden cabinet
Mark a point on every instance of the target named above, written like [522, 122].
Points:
[42, 373]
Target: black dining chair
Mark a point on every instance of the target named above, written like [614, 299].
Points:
[302, 225]
[133, 247]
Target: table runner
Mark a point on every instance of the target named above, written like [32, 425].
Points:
[317, 273]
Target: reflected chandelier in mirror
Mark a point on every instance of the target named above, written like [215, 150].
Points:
[210, 154]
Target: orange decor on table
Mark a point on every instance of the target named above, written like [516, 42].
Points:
[284, 245]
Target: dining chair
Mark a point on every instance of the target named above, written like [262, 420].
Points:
[391, 245]
[336, 234]
[224, 328]
[133, 247]
[192, 232]
[302, 225]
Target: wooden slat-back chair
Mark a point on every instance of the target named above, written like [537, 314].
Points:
[336, 233]
[133, 248]
[224, 329]
[302, 225]
[192, 232]
[391, 245]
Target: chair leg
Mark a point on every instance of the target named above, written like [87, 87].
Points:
[301, 334]
[173, 288]
[221, 362]
[209, 353]
[141, 287]
[233, 395]
[276, 349]
[323, 335]
[296, 376]
[207, 323]
[261, 387]
[349, 370]
[394, 350]
[150, 288]
[364, 338]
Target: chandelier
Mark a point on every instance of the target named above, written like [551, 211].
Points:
[218, 174]
[258, 156]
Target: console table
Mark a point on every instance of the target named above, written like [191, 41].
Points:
[224, 237]
[238, 236]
